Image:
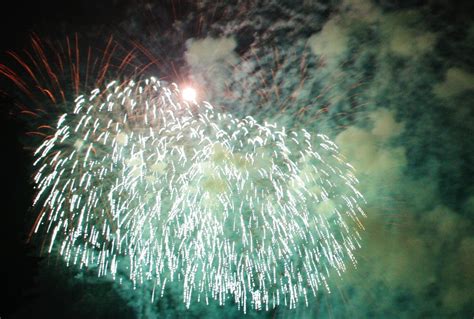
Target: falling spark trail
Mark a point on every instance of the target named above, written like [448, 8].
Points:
[169, 190]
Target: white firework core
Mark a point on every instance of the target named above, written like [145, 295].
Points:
[189, 94]
[137, 180]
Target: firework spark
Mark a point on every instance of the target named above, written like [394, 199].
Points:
[139, 179]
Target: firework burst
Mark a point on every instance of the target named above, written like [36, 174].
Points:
[138, 180]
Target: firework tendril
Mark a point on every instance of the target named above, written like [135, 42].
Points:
[136, 180]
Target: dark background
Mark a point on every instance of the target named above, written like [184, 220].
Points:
[27, 291]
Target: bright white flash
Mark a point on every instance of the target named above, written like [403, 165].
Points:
[189, 94]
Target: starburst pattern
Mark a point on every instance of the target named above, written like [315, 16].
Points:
[138, 180]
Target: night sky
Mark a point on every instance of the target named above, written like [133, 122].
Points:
[390, 81]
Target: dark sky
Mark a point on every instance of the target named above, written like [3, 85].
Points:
[26, 293]
[411, 143]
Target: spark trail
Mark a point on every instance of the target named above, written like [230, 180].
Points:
[138, 180]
